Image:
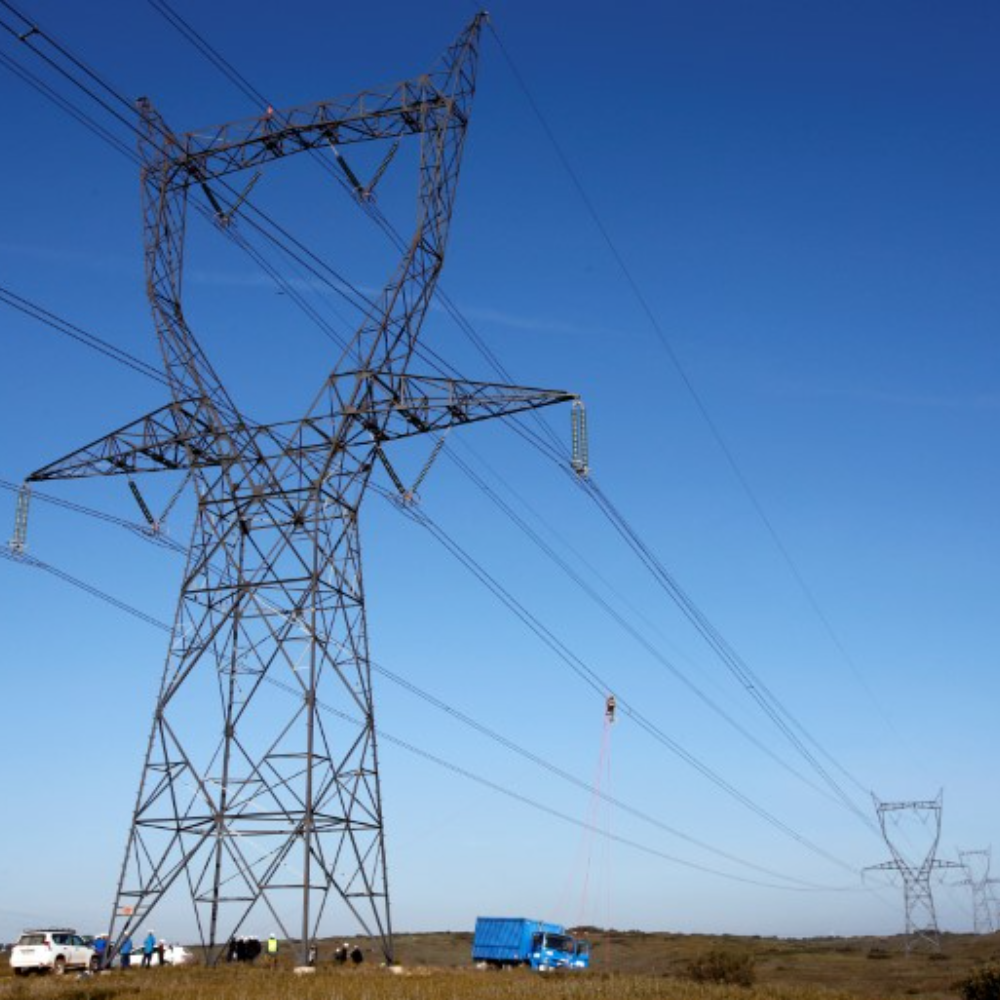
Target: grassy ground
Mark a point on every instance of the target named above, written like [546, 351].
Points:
[626, 966]
[377, 984]
[859, 967]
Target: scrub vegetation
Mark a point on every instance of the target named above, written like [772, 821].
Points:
[627, 966]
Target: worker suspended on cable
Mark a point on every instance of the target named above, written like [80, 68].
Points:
[609, 708]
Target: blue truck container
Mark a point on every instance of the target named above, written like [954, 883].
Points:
[508, 941]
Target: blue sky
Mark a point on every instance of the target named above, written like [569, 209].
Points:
[805, 195]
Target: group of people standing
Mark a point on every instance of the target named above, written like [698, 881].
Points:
[346, 951]
[244, 949]
[150, 947]
[249, 949]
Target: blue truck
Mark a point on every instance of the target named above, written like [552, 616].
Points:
[502, 942]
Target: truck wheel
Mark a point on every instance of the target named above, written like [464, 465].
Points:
[20, 972]
[95, 963]
[59, 966]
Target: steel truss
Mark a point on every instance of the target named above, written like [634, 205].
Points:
[262, 803]
[915, 873]
[976, 865]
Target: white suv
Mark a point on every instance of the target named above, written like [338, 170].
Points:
[51, 951]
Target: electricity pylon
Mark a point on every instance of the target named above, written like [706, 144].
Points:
[976, 865]
[915, 870]
[250, 801]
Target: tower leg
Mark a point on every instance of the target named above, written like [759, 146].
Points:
[275, 806]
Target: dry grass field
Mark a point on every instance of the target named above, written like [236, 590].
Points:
[627, 966]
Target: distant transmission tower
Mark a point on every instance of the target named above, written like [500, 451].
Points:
[976, 865]
[251, 802]
[915, 865]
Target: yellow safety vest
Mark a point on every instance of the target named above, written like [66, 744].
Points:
[272, 946]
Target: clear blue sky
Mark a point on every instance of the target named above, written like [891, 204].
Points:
[806, 195]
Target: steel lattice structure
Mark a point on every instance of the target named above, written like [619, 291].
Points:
[271, 800]
[976, 865]
[918, 899]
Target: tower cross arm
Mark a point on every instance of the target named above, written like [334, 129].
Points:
[393, 113]
[976, 882]
[411, 107]
[399, 406]
[933, 864]
[172, 437]
[929, 805]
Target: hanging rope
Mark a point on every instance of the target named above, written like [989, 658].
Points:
[598, 799]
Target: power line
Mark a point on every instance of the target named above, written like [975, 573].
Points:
[107, 87]
[337, 285]
[595, 682]
[314, 264]
[542, 807]
[125, 358]
[589, 676]
[750, 681]
[547, 765]
[6, 5]
[77, 333]
[519, 610]
[256, 218]
[368, 206]
[39, 85]
[795, 885]
[685, 378]
[625, 625]
[247, 88]
[747, 679]
[25, 560]
[142, 530]
[602, 687]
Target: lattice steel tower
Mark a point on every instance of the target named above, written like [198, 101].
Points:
[976, 865]
[269, 805]
[915, 869]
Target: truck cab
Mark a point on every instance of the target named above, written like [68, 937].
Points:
[552, 951]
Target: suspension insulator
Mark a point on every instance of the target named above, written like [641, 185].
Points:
[411, 494]
[142, 504]
[20, 540]
[580, 460]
